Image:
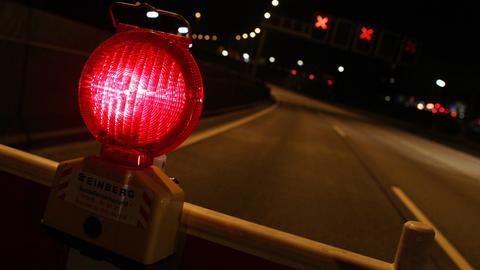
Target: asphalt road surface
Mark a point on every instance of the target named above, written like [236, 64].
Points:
[331, 175]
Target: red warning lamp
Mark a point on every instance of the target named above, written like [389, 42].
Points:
[329, 82]
[293, 72]
[140, 94]
[311, 77]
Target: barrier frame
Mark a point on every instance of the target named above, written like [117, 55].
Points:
[254, 239]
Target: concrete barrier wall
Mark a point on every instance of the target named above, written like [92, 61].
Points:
[41, 56]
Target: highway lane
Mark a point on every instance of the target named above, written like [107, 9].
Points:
[278, 171]
[326, 173]
[290, 170]
[444, 183]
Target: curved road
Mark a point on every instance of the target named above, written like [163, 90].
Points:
[326, 173]
[330, 174]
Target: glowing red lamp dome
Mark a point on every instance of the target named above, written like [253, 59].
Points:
[140, 95]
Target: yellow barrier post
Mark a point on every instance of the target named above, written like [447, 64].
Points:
[414, 246]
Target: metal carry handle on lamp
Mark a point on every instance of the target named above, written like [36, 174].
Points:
[149, 7]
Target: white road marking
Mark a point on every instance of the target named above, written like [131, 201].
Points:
[442, 241]
[200, 136]
[339, 131]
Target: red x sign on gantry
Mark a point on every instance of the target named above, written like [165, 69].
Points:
[366, 33]
[321, 22]
[410, 46]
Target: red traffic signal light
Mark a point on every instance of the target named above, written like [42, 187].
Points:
[364, 43]
[410, 46]
[140, 94]
[321, 22]
[320, 27]
[366, 33]
[409, 51]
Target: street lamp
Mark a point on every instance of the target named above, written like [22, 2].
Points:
[183, 30]
[246, 57]
[440, 83]
[152, 14]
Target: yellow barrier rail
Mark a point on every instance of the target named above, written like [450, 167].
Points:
[261, 241]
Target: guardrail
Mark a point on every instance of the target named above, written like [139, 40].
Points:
[257, 240]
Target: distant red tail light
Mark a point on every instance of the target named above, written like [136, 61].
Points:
[140, 95]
